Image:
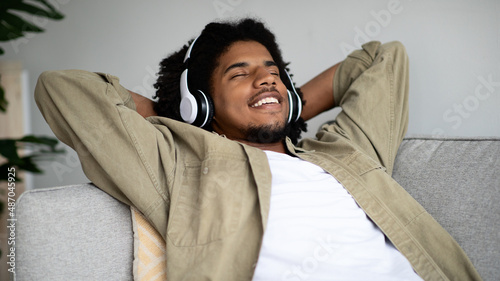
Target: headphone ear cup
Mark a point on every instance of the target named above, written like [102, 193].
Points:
[205, 109]
[295, 106]
[294, 101]
[195, 108]
[299, 105]
[188, 106]
[210, 110]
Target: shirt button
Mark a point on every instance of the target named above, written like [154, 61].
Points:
[205, 170]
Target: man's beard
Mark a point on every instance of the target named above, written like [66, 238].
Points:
[266, 133]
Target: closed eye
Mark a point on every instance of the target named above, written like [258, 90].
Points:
[238, 75]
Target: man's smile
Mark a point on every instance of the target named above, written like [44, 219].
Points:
[265, 97]
[268, 100]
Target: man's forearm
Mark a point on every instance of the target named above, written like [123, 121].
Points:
[318, 93]
[144, 106]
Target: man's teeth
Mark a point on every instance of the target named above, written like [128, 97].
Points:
[265, 101]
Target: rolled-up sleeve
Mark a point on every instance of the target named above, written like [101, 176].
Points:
[371, 87]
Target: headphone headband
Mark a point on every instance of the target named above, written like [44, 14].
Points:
[188, 52]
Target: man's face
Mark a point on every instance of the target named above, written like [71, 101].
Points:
[250, 100]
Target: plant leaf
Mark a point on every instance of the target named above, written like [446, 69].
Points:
[58, 15]
[13, 26]
[28, 164]
[40, 146]
[47, 141]
[3, 102]
[8, 149]
[51, 13]
[17, 23]
[8, 33]
[44, 148]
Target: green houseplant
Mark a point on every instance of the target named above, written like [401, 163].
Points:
[17, 18]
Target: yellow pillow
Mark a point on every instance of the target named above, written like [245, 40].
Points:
[149, 250]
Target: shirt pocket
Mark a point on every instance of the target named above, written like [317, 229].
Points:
[208, 206]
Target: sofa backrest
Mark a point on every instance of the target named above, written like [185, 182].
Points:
[457, 180]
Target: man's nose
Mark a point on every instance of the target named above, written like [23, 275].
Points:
[264, 77]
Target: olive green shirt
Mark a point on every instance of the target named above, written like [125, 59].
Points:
[209, 196]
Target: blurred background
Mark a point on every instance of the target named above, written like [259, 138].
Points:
[453, 49]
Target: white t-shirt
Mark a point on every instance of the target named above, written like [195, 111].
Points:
[316, 231]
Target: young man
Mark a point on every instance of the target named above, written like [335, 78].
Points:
[239, 199]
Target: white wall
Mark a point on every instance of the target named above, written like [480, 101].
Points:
[453, 48]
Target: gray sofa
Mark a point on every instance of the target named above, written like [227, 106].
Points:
[80, 233]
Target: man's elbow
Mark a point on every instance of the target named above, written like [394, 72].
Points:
[41, 88]
[397, 49]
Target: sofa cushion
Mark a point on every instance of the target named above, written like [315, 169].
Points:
[457, 180]
[149, 250]
[73, 233]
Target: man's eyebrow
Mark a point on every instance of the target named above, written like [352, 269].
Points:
[245, 64]
[236, 65]
[270, 63]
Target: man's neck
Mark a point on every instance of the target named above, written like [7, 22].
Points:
[276, 147]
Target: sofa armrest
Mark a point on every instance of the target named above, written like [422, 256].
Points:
[75, 232]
